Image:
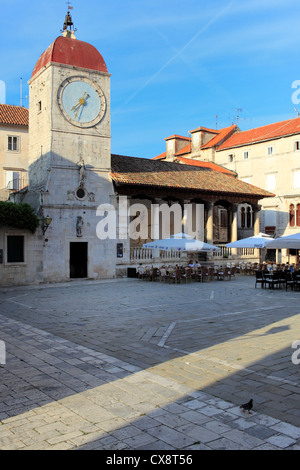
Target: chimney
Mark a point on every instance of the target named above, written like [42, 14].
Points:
[201, 136]
[174, 144]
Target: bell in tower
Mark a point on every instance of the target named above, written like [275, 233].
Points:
[68, 27]
[68, 22]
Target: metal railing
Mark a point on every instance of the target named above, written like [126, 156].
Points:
[17, 184]
[14, 185]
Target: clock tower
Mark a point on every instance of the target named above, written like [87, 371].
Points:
[69, 107]
[70, 155]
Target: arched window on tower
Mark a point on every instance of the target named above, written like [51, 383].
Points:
[292, 215]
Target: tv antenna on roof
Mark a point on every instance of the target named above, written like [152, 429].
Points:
[297, 111]
[238, 111]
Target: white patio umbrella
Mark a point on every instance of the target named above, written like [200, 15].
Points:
[262, 240]
[289, 241]
[181, 242]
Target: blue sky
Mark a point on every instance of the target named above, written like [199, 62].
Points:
[175, 64]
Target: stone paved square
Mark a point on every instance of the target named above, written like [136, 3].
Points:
[132, 364]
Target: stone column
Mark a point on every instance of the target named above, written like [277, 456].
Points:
[155, 228]
[234, 224]
[194, 220]
[256, 210]
[155, 221]
[234, 227]
[210, 223]
[258, 253]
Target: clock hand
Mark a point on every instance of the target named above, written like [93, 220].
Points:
[81, 102]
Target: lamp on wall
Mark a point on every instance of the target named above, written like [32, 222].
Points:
[46, 221]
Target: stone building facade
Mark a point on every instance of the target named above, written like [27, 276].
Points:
[267, 157]
[83, 195]
[13, 149]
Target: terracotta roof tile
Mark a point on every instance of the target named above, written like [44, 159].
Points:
[162, 156]
[175, 136]
[217, 139]
[148, 172]
[13, 115]
[224, 133]
[211, 165]
[264, 133]
[206, 129]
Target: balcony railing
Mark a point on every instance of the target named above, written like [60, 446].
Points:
[145, 254]
[14, 185]
[17, 184]
[228, 252]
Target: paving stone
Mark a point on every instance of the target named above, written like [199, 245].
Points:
[281, 441]
[262, 432]
[226, 444]
[287, 429]
[243, 439]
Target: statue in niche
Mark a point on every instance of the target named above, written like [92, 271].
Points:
[79, 225]
[82, 170]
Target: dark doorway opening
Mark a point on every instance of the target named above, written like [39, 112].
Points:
[78, 259]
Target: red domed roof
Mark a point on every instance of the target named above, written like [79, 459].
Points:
[70, 51]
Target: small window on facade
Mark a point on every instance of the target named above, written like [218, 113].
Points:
[80, 193]
[292, 215]
[230, 157]
[270, 150]
[297, 145]
[13, 143]
[15, 249]
[246, 155]
[39, 106]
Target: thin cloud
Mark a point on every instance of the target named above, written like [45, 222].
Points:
[177, 54]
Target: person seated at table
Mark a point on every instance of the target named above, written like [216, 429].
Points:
[191, 263]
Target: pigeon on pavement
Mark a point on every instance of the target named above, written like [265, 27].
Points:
[247, 406]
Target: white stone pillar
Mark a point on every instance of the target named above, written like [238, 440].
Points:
[210, 223]
[258, 253]
[234, 227]
[155, 228]
[256, 210]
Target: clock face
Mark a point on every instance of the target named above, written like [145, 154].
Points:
[81, 101]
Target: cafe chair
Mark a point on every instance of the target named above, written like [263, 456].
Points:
[260, 279]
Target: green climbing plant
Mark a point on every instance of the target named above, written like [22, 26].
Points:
[21, 216]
